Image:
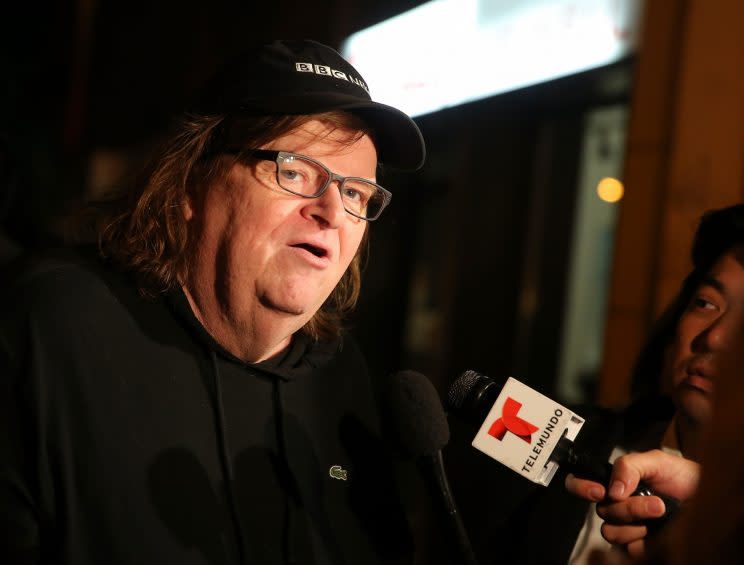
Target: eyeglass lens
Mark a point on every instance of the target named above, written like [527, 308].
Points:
[307, 178]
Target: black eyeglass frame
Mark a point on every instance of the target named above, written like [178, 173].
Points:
[273, 155]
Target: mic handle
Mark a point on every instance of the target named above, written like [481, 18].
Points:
[587, 466]
[439, 475]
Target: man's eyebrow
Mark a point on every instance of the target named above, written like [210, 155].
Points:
[709, 280]
[738, 253]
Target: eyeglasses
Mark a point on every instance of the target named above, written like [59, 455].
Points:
[309, 178]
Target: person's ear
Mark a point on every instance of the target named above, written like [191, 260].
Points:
[187, 208]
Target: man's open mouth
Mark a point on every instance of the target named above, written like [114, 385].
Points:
[317, 251]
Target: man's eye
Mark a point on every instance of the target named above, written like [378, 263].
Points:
[291, 175]
[353, 194]
[700, 303]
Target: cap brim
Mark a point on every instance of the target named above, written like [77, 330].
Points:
[397, 138]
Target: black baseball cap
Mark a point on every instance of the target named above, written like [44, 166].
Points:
[306, 77]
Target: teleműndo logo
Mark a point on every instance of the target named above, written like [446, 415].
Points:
[522, 430]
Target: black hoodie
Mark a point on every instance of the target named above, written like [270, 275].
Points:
[130, 436]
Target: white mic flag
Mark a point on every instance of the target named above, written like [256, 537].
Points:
[522, 429]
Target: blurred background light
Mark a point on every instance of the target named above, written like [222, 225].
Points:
[610, 189]
[448, 52]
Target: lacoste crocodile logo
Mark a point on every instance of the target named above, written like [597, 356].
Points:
[338, 472]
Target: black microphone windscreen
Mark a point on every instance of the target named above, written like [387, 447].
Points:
[416, 414]
[461, 389]
[471, 396]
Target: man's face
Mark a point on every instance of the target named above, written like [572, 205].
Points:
[260, 248]
[706, 330]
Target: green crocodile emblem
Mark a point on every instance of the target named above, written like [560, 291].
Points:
[338, 472]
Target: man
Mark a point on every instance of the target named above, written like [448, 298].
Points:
[705, 334]
[192, 399]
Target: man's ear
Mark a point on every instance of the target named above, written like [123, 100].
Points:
[187, 208]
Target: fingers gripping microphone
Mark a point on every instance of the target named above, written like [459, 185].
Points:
[421, 428]
[530, 433]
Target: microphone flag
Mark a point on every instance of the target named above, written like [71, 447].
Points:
[522, 429]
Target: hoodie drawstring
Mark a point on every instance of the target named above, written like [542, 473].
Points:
[224, 453]
[281, 437]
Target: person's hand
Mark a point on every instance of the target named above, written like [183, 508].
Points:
[584, 488]
[665, 474]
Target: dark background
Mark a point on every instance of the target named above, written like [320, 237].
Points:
[480, 236]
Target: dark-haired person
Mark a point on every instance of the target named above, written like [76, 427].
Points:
[191, 397]
[709, 525]
[705, 334]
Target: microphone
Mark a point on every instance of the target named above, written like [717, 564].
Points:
[420, 425]
[531, 433]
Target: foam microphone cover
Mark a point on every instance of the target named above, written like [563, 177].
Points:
[415, 414]
[472, 395]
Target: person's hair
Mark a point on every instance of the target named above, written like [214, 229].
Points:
[718, 232]
[146, 233]
[647, 376]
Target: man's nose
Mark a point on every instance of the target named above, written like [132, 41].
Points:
[719, 333]
[328, 208]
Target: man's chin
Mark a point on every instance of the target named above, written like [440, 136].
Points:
[695, 404]
[283, 307]
[290, 306]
